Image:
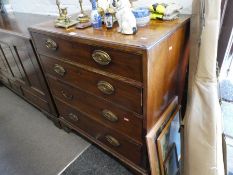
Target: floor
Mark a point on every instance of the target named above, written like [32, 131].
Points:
[226, 89]
[30, 144]
[95, 162]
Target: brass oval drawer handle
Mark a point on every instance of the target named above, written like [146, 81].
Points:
[73, 117]
[109, 115]
[101, 57]
[67, 96]
[50, 44]
[114, 142]
[105, 87]
[59, 70]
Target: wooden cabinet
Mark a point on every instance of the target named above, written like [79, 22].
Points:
[19, 67]
[112, 88]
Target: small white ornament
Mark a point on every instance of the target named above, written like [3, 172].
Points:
[125, 17]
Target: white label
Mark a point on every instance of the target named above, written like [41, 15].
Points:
[72, 33]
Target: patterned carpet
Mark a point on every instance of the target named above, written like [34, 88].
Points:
[95, 162]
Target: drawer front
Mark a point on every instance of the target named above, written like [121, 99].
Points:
[35, 100]
[113, 61]
[107, 88]
[100, 110]
[108, 137]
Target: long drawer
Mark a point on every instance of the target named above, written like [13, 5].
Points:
[35, 100]
[106, 59]
[111, 139]
[113, 90]
[100, 110]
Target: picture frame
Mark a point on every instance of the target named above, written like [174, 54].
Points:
[170, 135]
[153, 134]
[171, 163]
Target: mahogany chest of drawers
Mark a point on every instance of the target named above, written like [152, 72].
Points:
[19, 67]
[112, 88]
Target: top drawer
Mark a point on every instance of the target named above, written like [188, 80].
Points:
[110, 60]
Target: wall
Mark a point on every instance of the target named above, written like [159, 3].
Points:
[49, 7]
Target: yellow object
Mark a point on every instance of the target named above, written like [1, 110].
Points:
[157, 8]
[156, 16]
[151, 8]
[160, 9]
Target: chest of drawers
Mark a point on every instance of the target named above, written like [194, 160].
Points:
[19, 67]
[112, 88]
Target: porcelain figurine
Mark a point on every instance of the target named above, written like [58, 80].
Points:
[103, 4]
[125, 17]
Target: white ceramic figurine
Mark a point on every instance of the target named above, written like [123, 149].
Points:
[104, 4]
[125, 17]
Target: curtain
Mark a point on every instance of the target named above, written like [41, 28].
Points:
[203, 120]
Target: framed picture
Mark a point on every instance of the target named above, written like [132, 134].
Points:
[153, 135]
[171, 164]
[169, 136]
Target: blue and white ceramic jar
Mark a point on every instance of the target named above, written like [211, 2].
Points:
[142, 16]
[96, 19]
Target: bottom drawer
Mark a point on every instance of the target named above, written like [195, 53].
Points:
[11, 84]
[35, 100]
[15, 86]
[5, 81]
[115, 141]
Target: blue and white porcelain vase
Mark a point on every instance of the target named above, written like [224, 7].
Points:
[96, 19]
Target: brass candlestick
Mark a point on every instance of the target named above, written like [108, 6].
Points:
[61, 17]
[64, 14]
[64, 20]
[82, 17]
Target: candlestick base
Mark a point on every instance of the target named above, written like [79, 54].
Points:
[83, 18]
[65, 24]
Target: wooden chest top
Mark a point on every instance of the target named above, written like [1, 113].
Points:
[145, 38]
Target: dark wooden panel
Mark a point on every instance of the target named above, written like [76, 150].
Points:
[99, 132]
[13, 61]
[22, 61]
[16, 86]
[37, 101]
[122, 63]
[162, 80]
[30, 66]
[3, 64]
[19, 64]
[5, 81]
[124, 94]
